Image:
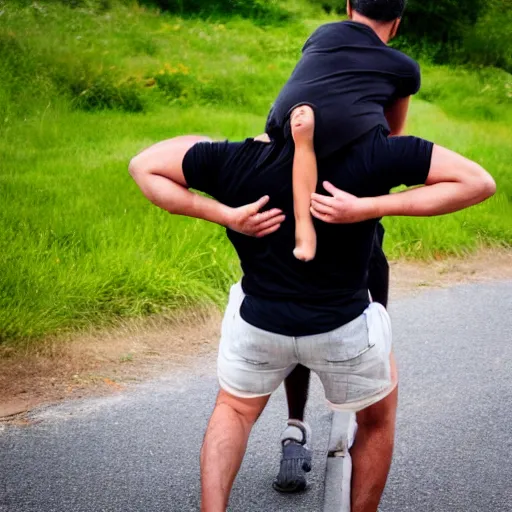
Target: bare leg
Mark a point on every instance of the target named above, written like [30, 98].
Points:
[297, 387]
[305, 177]
[372, 452]
[224, 447]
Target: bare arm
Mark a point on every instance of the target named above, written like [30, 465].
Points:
[453, 183]
[396, 116]
[158, 172]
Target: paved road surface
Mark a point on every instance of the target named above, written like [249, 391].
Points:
[454, 439]
[138, 451]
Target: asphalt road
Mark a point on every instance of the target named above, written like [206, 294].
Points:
[454, 435]
[138, 451]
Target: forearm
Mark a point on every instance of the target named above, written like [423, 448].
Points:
[428, 201]
[453, 183]
[178, 200]
[396, 116]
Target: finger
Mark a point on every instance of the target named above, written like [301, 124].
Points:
[326, 200]
[263, 217]
[268, 231]
[321, 216]
[270, 223]
[322, 208]
[258, 205]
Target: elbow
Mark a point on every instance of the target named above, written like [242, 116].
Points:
[489, 187]
[141, 174]
[484, 184]
[134, 168]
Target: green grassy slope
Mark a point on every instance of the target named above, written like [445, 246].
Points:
[79, 243]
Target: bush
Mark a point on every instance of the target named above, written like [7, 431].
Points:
[488, 42]
[102, 93]
[262, 10]
[331, 6]
[441, 21]
[178, 85]
[91, 87]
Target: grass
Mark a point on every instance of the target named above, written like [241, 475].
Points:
[86, 90]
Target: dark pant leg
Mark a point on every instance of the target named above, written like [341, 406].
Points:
[297, 388]
[378, 274]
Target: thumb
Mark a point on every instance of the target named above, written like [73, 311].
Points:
[336, 192]
[258, 205]
[331, 188]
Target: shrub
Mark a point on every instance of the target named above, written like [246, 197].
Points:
[102, 92]
[179, 85]
[488, 42]
[331, 6]
[176, 83]
[438, 21]
[262, 10]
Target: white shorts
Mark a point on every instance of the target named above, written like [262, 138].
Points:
[352, 362]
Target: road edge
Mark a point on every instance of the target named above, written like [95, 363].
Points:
[339, 463]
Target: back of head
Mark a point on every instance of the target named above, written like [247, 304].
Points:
[379, 10]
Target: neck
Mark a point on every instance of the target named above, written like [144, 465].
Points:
[382, 29]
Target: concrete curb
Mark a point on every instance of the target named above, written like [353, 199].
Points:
[339, 464]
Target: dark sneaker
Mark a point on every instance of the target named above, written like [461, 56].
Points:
[295, 459]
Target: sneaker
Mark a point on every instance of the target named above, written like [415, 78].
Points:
[295, 459]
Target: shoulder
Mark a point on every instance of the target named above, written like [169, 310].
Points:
[323, 34]
[407, 65]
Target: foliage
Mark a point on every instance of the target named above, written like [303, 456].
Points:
[441, 21]
[261, 10]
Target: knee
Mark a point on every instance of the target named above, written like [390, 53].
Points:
[302, 122]
[247, 410]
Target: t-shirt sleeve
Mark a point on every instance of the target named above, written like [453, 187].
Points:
[202, 165]
[271, 124]
[409, 82]
[315, 38]
[407, 162]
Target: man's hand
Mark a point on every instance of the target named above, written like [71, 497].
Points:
[248, 221]
[341, 208]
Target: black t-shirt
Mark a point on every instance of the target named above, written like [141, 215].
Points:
[285, 295]
[349, 76]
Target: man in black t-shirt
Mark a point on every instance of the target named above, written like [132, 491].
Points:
[318, 314]
[286, 312]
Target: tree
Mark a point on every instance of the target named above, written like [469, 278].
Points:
[440, 21]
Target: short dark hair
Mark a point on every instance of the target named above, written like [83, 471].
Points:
[379, 10]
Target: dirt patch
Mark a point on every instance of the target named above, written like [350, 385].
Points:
[413, 277]
[104, 362]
